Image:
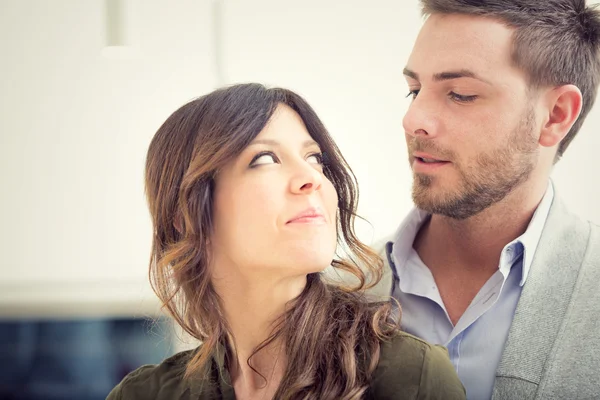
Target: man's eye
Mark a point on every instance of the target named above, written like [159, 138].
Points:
[263, 159]
[462, 98]
[413, 93]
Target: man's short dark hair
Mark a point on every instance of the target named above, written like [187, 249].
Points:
[556, 42]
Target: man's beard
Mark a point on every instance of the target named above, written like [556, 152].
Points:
[493, 176]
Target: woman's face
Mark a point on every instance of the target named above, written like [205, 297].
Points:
[274, 209]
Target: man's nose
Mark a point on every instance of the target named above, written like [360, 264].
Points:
[422, 117]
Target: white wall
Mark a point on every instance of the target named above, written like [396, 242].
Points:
[75, 126]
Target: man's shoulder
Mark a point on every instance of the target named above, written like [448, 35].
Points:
[565, 229]
[594, 241]
[596, 229]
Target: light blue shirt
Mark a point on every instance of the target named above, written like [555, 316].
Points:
[476, 343]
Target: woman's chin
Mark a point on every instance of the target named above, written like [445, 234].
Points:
[307, 265]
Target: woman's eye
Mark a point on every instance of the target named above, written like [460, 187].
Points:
[316, 158]
[263, 159]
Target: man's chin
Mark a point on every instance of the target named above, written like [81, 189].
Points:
[424, 199]
[426, 190]
[436, 200]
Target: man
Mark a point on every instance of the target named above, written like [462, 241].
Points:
[491, 264]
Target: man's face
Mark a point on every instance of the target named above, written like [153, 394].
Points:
[471, 128]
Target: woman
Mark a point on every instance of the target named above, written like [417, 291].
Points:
[250, 198]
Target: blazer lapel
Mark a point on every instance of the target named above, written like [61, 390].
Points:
[544, 300]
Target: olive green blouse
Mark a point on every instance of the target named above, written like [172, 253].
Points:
[409, 368]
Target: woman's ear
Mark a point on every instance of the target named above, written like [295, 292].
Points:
[563, 106]
[178, 222]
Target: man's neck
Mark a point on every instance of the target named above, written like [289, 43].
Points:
[477, 242]
[462, 255]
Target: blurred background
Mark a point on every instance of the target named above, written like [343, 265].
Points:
[84, 84]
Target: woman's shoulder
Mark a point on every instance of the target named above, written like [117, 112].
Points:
[411, 368]
[160, 381]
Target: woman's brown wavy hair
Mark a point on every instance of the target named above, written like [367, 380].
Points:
[331, 333]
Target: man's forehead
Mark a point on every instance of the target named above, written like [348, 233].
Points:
[469, 45]
[466, 22]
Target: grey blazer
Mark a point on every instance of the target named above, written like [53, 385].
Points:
[553, 347]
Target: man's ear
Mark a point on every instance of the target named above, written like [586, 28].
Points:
[563, 106]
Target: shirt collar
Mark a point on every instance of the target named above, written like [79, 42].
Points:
[531, 237]
[404, 237]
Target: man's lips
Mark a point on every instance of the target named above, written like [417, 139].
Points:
[428, 158]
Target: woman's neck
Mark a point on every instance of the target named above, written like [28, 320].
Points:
[252, 309]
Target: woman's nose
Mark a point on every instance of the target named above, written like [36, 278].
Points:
[306, 180]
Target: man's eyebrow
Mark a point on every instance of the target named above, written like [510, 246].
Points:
[448, 75]
[410, 74]
[463, 73]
